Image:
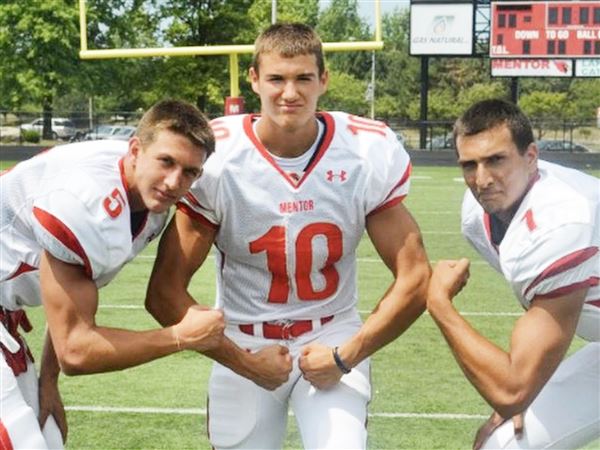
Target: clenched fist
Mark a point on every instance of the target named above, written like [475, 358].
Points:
[271, 366]
[200, 329]
[447, 280]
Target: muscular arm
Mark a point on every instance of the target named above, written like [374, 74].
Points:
[182, 250]
[398, 241]
[49, 397]
[508, 381]
[70, 300]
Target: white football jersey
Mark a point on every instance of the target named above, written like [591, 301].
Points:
[551, 247]
[286, 248]
[72, 202]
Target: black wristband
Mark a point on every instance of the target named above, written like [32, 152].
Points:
[339, 362]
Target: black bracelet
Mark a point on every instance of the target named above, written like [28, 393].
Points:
[339, 362]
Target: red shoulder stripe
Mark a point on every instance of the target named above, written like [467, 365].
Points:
[195, 215]
[563, 264]
[590, 282]
[5, 442]
[61, 232]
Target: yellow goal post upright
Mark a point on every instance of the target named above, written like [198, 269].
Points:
[233, 103]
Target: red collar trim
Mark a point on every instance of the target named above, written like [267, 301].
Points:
[320, 151]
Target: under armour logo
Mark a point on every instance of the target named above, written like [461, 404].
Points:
[342, 175]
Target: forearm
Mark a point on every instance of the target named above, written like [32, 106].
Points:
[49, 367]
[402, 304]
[161, 305]
[233, 357]
[93, 349]
[486, 366]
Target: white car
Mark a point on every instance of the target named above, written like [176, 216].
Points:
[120, 132]
[61, 128]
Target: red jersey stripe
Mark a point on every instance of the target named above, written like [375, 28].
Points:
[5, 442]
[387, 205]
[590, 282]
[403, 180]
[23, 268]
[196, 216]
[61, 232]
[595, 303]
[563, 264]
[190, 198]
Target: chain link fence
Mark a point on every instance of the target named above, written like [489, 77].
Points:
[565, 136]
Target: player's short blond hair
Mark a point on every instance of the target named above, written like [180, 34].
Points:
[289, 40]
[179, 117]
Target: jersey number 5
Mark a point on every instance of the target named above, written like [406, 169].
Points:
[274, 243]
[114, 203]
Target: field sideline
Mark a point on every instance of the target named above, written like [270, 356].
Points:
[421, 399]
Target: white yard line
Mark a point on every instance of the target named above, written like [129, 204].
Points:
[360, 259]
[202, 411]
[361, 311]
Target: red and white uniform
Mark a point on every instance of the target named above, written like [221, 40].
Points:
[72, 202]
[551, 248]
[286, 251]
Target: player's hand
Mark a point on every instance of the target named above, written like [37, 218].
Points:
[447, 279]
[318, 366]
[271, 366]
[495, 420]
[200, 329]
[51, 405]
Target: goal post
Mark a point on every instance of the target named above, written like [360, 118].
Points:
[214, 50]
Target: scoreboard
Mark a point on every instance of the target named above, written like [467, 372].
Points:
[545, 29]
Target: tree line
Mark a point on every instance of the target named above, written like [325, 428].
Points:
[40, 68]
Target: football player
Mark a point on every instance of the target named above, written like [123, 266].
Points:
[539, 225]
[71, 218]
[286, 199]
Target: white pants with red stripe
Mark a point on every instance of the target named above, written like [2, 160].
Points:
[566, 412]
[244, 415]
[19, 408]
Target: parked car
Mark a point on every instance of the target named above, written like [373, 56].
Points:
[120, 132]
[61, 128]
[100, 132]
[557, 145]
[124, 133]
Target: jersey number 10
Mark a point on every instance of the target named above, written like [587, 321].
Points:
[274, 243]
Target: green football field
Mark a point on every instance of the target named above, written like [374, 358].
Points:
[420, 398]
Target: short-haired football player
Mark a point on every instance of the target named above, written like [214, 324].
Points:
[539, 225]
[286, 199]
[70, 218]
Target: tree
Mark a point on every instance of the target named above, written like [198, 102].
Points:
[202, 80]
[543, 108]
[397, 73]
[340, 22]
[345, 93]
[38, 44]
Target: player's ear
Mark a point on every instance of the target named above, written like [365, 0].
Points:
[532, 157]
[324, 81]
[135, 147]
[253, 76]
